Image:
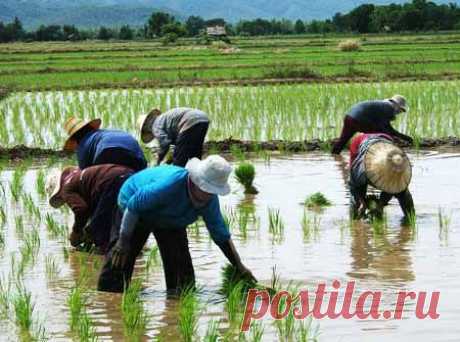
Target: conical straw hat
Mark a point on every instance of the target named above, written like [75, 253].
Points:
[72, 126]
[387, 167]
[144, 122]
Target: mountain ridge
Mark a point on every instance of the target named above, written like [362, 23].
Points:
[94, 13]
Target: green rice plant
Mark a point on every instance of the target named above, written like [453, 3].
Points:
[40, 183]
[305, 332]
[80, 322]
[235, 303]
[231, 278]
[245, 174]
[51, 267]
[135, 318]
[188, 315]
[276, 224]
[5, 298]
[31, 208]
[212, 332]
[237, 153]
[17, 183]
[444, 224]
[153, 258]
[379, 225]
[275, 282]
[257, 332]
[19, 223]
[317, 200]
[55, 229]
[23, 311]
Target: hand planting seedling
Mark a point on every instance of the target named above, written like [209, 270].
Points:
[245, 174]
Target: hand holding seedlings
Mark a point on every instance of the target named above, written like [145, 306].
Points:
[120, 254]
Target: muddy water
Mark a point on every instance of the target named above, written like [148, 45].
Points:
[399, 258]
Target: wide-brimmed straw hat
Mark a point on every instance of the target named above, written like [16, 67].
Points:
[54, 183]
[72, 126]
[145, 122]
[387, 167]
[400, 102]
[211, 174]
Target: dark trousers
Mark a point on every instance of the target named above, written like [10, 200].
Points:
[404, 198]
[350, 128]
[190, 144]
[100, 226]
[120, 156]
[174, 251]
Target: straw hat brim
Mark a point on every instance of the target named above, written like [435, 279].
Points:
[196, 175]
[71, 144]
[145, 124]
[382, 173]
[55, 199]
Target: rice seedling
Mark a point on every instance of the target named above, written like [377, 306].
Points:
[305, 332]
[188, 315]
[379, 225]
[135, 318]
[317, 200]
[245, 174]
[231, 278]
[444, 224]
[40, 183]
[276, 224]
[19, 223]
[212, 332]
[153, 258]
[235, 302]
[23, 311]
[257, 332]
[5, 298]
[17, 183]
[310, 226]
[80, 322]
[56, 230]
[51, 267]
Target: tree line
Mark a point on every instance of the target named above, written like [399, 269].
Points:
[419, 15]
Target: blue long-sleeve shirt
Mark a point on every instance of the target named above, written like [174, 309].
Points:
[376, 113]
[160, 196]
[94, 143]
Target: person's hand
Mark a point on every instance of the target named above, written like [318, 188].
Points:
[246, 273]
[120, 254]
[75, 238]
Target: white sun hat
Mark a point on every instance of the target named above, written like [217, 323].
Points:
[211, 174]
[399, 101]
[387, 167]
[54, 182]
[145, 122]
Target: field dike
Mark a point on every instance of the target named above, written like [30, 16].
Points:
[230, 145]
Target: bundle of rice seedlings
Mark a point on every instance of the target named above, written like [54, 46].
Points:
[245, 174]
[317, 200]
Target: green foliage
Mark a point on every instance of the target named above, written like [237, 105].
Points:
[135, 318]
[188, 315]
[317, 200]
[231, 278]
[245, 174]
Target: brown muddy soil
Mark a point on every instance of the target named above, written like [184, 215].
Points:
[229, 145]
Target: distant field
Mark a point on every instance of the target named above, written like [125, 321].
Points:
[89, 65]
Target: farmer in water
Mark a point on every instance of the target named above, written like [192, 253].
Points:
[96, 146]
[185, 128]
[92, 195]
[164, 200]
[372, 117]
[375, 160]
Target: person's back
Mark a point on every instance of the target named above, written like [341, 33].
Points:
[377, 113]
[122, 148]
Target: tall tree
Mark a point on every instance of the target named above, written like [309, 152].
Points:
[299, 27]
[194, 25]
[157, 21]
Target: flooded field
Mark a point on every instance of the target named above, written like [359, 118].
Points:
[312, 247]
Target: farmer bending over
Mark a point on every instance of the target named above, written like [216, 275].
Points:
[164, 200]
[372, 117]
[185, 128]
[96, 146]
[92, 195]
[375, 160]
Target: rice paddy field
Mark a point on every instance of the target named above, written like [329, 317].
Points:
[258, 89]
[89, 65]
